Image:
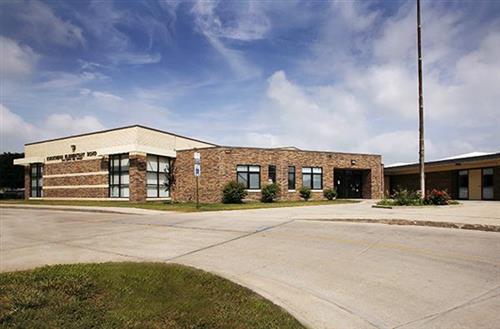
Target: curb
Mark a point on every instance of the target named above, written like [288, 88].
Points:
[92, 210]
[461, 226]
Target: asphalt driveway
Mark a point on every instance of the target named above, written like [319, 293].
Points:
[327, 274]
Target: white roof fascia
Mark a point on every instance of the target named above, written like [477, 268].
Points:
[28, 161]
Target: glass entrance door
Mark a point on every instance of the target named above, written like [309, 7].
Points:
[349, 183]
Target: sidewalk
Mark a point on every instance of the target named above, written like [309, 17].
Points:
[113, 210]
[472, 215]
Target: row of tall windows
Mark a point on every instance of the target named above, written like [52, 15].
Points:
[249, 175]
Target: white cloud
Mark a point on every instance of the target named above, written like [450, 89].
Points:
[245, 24]
[136, 58]
[64, 80]
[40, 22]
[16, 131]
[246, 27]
[16, 60]
[65, 124]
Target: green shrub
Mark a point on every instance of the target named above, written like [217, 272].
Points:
[305, 193]
[270, 192]
[233, 192]
[407, 198]
[330, 193]
[386, 202]
[437, 197]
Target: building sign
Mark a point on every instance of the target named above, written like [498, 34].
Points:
[197, 164]
[72, 156]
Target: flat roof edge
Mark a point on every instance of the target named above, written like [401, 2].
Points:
[437, 162]
[280, 149]
[118, 128]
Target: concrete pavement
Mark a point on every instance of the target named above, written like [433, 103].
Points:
[327, 274]
[467, 212]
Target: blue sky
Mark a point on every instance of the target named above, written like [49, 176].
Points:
[318, 75]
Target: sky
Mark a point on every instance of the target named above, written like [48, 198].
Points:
[339, 76]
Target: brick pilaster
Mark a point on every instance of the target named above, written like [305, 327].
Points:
[27, 186]
[137, 173]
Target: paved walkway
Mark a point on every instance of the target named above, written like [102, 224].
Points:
[327, 274]
[467, 212]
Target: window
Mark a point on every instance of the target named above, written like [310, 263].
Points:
[488, 183]
[156, 176]
[291, 178]
[36, 180]
[118, 176]
[312, 177]
[272, 173]
[463, 184]
[249, 176]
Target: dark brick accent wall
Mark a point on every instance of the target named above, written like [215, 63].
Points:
[218, 166]
[496, 183]
[76, 180]
[137, 171]
[99, 192]
[445, 180]
[73, 167]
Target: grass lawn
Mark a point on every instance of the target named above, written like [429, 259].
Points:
[185, 207]
[132, 295]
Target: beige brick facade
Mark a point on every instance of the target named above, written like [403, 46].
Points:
[78, 166]
[219, 167]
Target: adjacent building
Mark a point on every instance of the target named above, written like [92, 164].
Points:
[138, 163]
[473, 176]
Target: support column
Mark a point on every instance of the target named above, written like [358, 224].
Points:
[137, 172]
[27, 182]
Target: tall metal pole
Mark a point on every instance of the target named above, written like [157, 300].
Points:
[421, 152]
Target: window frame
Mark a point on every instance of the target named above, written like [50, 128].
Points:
[483, 186]
[312, 174]
[157, 172]
[466, 175]
[248, 173]
[113, 172]
[274, 171]
[291, 187]
[38, 178]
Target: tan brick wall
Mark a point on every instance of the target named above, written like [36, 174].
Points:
[137, 173]
[219, 167]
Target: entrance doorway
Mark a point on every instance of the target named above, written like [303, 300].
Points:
[349, 183]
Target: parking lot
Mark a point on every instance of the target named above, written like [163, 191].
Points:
[327, 274]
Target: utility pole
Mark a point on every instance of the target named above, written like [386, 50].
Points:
[421, 152]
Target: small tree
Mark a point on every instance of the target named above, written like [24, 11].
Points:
[270, 192]
[233, 192]
[305, 193]
[330, 193]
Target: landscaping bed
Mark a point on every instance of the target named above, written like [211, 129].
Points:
[132, 295]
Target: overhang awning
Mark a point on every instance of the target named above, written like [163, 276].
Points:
[28, 161]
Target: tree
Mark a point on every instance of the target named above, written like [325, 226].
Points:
[11, 176]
